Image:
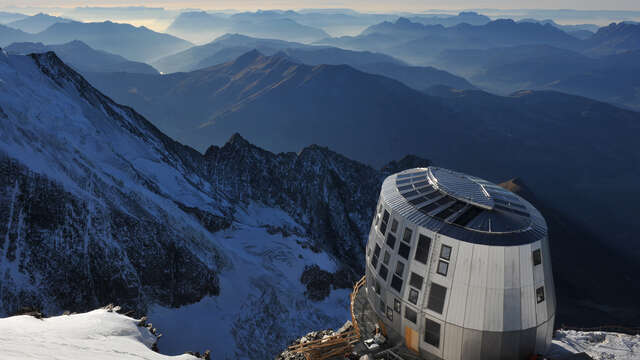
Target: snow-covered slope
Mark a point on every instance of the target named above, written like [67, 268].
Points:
[96, 335]
[239, 250]
[598, 345]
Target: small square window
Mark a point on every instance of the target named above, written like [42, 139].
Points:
[540, 294]
[377, 288]
[413, 296]
[445, 252]
[400, 269]
[537, 257]
[374, 261]
[406, 237]
[403, 250]
[431, 332]
[386, 258]
[410, 314]
[396, 283]
[391, 240]
[416, 281]
[383, 228]
[397, 306]
[389, 313]
[394, 226]
[376, 251]
[443, 268]
[383, 272]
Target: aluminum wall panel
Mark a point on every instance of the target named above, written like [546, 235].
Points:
[457, 304]
[512, 318]
[479, 266]
[526, 266]
[528, 307]
[471, 344]
[452, 342]
[493, 310]
[462, 271]
[474, 312]
[512, 267]
[495, 268]
[491, 345]
[510, 346]
[527, 343]
[541, 338]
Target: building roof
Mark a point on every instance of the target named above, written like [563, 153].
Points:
[463, 206]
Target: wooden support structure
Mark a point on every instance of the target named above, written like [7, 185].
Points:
[337, 345]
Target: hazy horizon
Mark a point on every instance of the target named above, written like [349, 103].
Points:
[360, 5]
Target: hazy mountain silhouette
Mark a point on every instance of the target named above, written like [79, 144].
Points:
[561, 143]
[580, 31]
[37, 23]
[202, 26]
[9, 35]
[613, 39]
[229, 47]
[134, 43]
[468, 17]
[7, 17]
[418, 43]
[83, 58]
[611, 78]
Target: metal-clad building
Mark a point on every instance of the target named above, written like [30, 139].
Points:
[459, 268]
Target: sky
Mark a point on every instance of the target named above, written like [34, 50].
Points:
[363, 5]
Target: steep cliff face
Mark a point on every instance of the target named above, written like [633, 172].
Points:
[238, 250]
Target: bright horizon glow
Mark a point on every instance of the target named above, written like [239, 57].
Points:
[360, 5]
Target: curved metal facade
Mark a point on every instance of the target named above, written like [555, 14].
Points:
[451, 292]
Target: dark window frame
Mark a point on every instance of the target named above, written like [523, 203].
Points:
[404, 251]
[537, 257]
[399, 264]
[422, 249]
[413, 296]
[432, 332]
[540, 294]
[410, 314]
[407, 233]
[448, 258]
[437, 298]
[446, 269]
[391, 240]
[397, 305]
[395, 280]
[416, 280]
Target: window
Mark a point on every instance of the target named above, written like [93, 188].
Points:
[443, 268]
[386, 258]
[540, 294]
[416, 281]
[396, 283]
[403, 250]
[377, 288]
[537, 257]
[383, 272]
[422, 250]
[445, 252]
[385, 220]
[374, 258]
[394, 226]
[391, 240]
[383, 306]
[400, 269]
[397, 306]
[389, 313]
[410, 314]
[431, 332]
[413, 296]
[406, 237]
[437, 295]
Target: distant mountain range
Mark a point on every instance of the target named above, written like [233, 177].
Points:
[134, 43]
[468, 17]
[7, 17]
[37, 23]
[83, 58]
[229, 47]
[547, 137]
[204, 27]
[418, 43]
[612, 78]
[302, 26]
